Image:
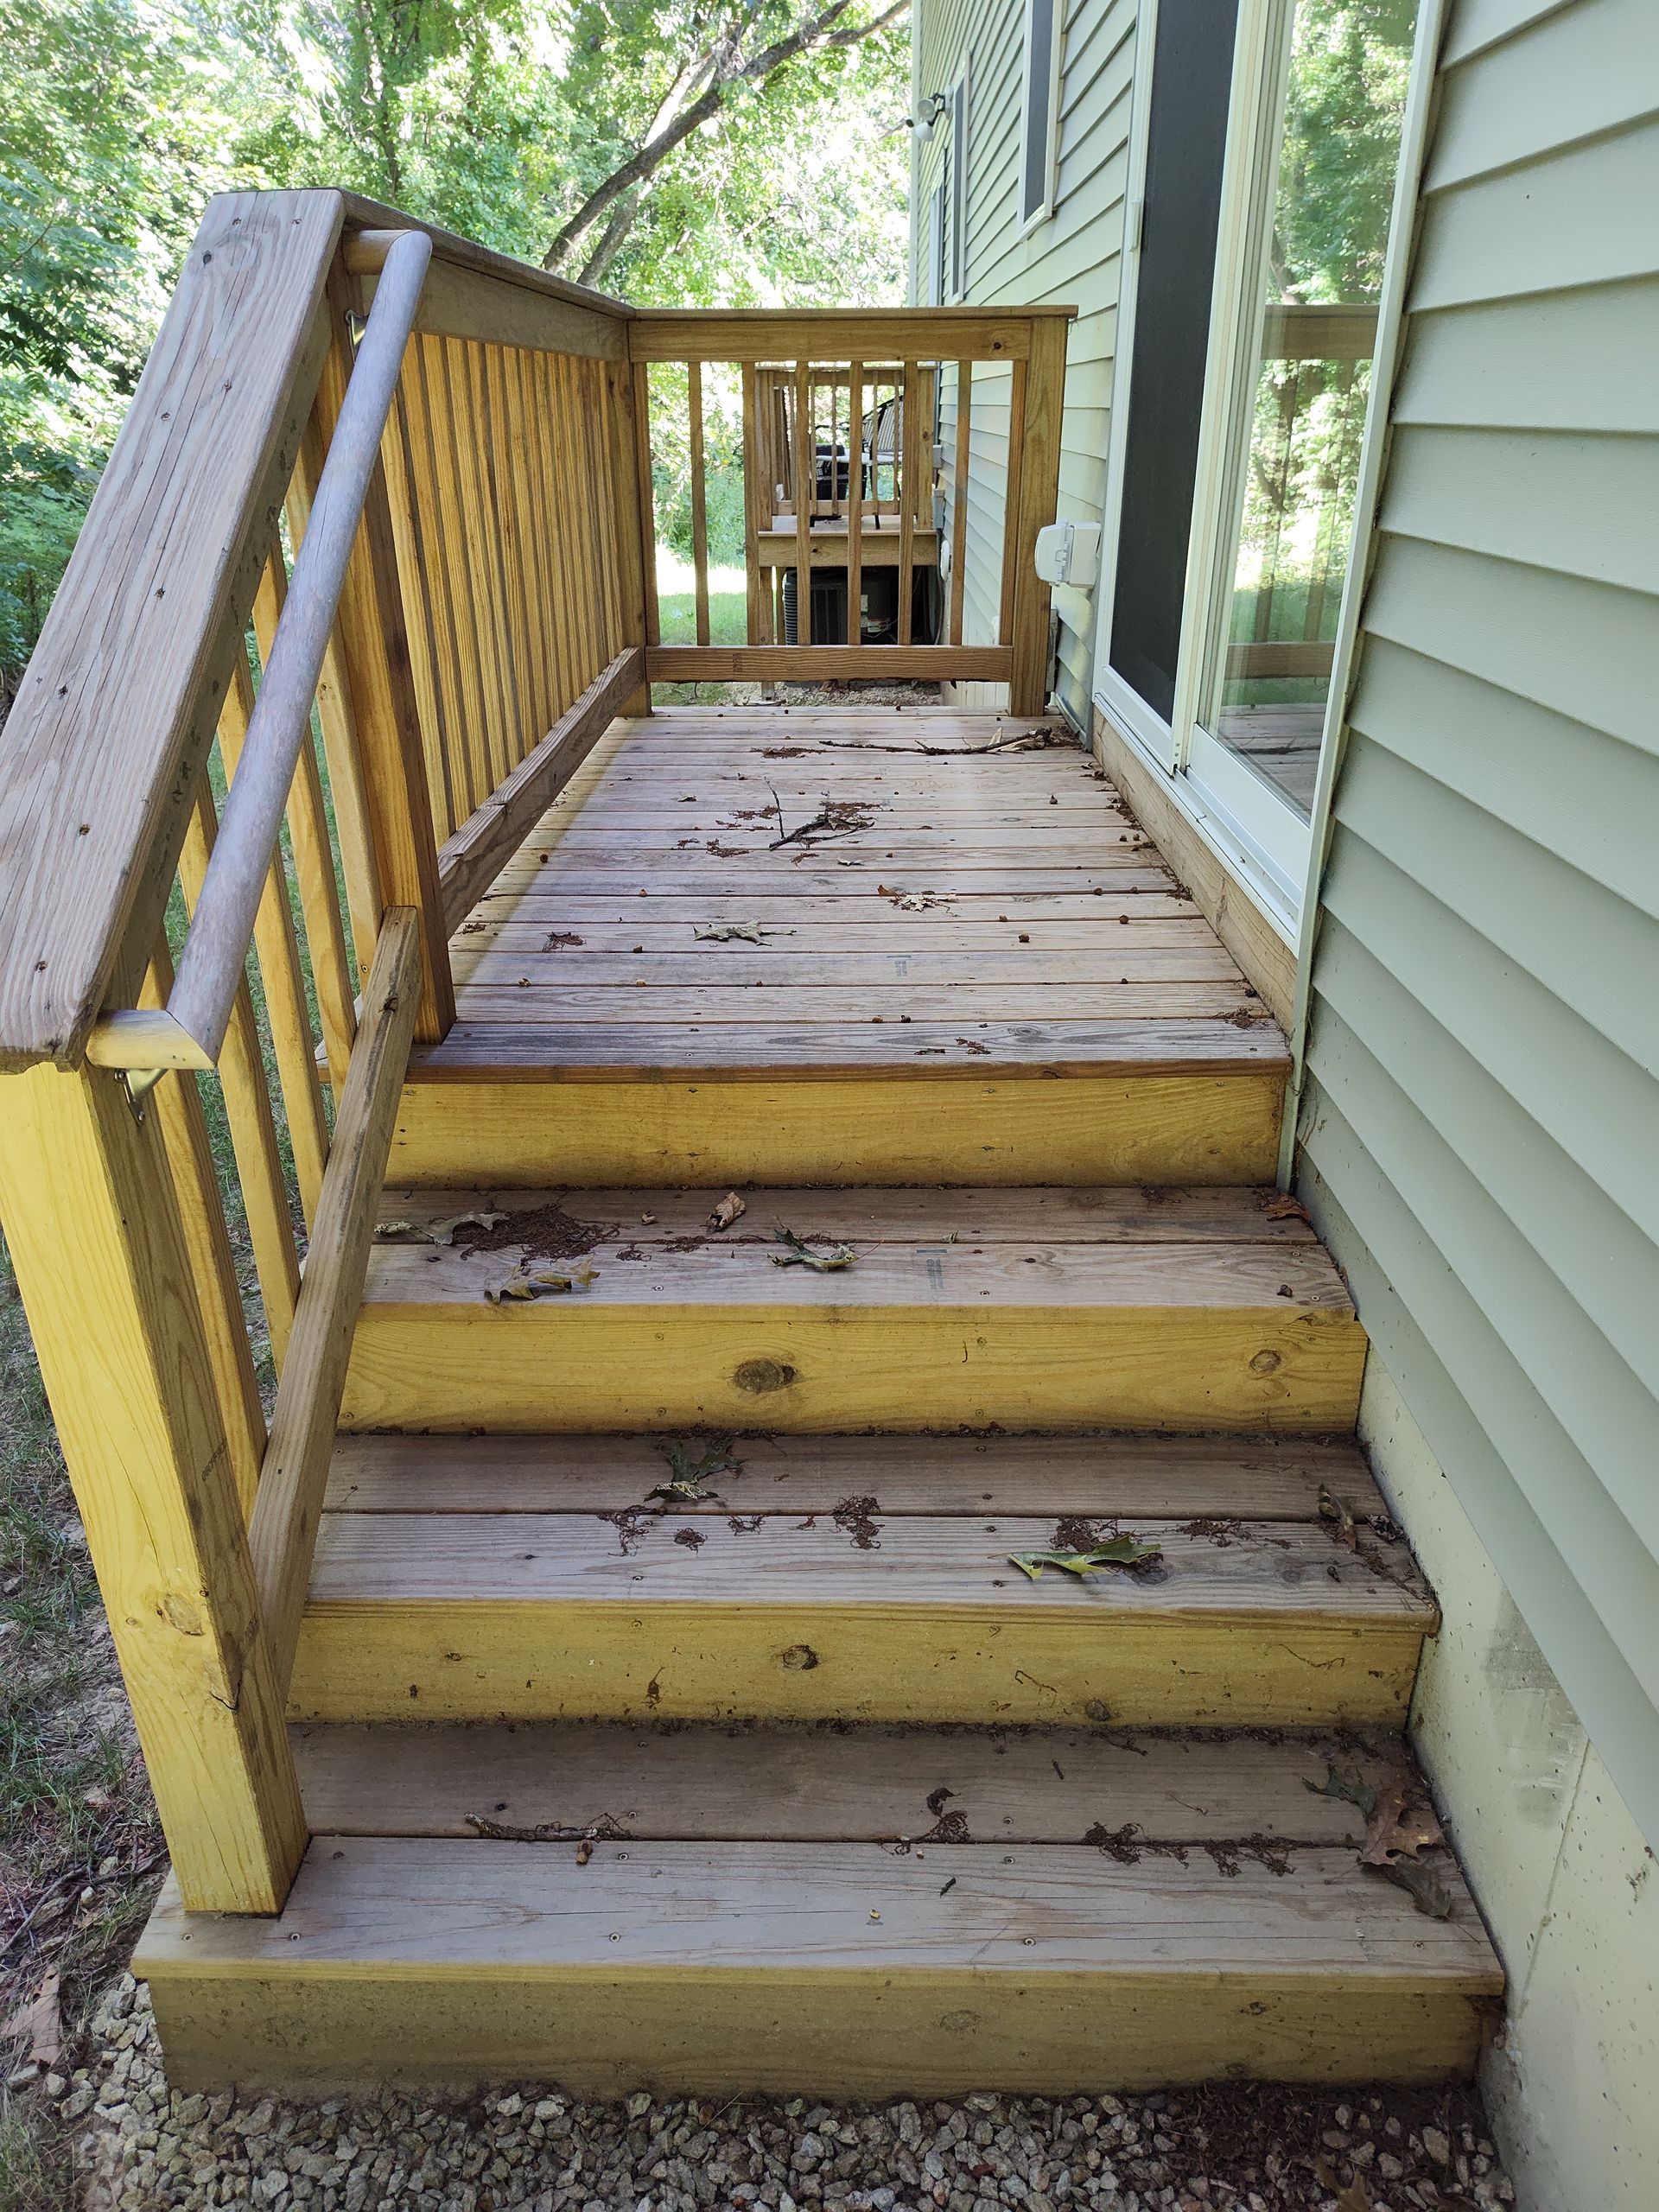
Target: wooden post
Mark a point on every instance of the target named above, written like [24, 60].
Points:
[635, 508]
[94, 1229]
[374, 647]
[757, 512]
[1038, 497]
[910, 448]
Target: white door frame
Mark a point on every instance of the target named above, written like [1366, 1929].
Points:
[1262, 839]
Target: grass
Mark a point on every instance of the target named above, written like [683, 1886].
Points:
[676, 610]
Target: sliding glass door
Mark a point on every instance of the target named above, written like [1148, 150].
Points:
[1238, 478]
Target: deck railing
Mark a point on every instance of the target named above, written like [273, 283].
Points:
[418, 477]
[842, 416]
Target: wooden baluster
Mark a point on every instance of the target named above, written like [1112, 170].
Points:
[339, 735]
[247, 1108]
[699, 498]
[420, 535]
[959, 498]
[854, 503]
[1039, 494]
[910, 441]
[805, 443]
[213, 1265]
[278, 949]
[103, 1263]
[375, 648]
[1011, 503]
[313, 861]
[757, 514]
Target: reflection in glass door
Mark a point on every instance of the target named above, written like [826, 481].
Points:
[1324, 237]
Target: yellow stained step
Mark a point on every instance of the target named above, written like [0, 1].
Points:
[952, 1313]
[1227, 1927]
[472, 1578]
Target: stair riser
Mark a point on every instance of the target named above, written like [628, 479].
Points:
[558, 1364]
[1204, 1130]
[660, 1660]
[848, 2034]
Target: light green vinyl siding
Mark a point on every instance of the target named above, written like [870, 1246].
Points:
[1071, 258]
[1479, 1123]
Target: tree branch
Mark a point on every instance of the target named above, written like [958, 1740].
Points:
[824, 31]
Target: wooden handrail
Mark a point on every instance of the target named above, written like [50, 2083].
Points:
[284, 1529]
[210, 965]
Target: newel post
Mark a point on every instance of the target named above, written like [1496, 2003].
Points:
[94, 1225]
[1036, 497]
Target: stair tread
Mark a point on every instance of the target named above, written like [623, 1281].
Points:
[1169, 1478]
[1087, 1214]
[924, 1258]
[785, 1570]
[830, 1782]
[698, 1909]
[555, 1050]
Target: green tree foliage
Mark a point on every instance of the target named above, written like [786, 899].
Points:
[676, 151]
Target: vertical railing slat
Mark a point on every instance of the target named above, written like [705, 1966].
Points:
[213, 1264]
[803, 472]
[375, 647]
[910, 444]
[278, 945]
[313, 861]
[1011, 503]
[854, 502]
[959, 498]
[699, 499]
[247, 1110]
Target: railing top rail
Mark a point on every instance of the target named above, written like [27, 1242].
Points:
[99, 755]
[964, 334]
[361, 214]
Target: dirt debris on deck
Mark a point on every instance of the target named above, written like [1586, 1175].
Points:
[1233, 2148]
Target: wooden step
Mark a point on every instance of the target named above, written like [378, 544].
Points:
[857, 1579]
[783, 1912]
[819, 1101]
[1042, 1320]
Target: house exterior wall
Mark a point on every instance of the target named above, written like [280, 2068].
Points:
[1568, 1886]
[1070, 258]
[1479, 1126]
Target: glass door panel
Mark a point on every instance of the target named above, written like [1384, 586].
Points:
[1297, 452]
[1191, 83]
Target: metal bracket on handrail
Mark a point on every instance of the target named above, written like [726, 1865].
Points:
[210, 965]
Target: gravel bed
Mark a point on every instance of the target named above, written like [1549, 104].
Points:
[1258, 2149]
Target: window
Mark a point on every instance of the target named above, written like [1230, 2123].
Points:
[1037, 140]
[956, 173]
[933, 250]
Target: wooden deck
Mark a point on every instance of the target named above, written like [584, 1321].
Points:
[818, 901]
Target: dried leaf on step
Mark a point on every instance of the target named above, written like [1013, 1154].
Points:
[524, 1285]
[41, 2022]
[434, 1232]
[687, 1475]
[1422, 1883]
[443, 1232]
[1351, 1792]
[1343, 1529]
[1395, 1830]
[1282, 1207]
[1122, 1551]
[798, 1252]
[730, 1209]
[730, 932]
